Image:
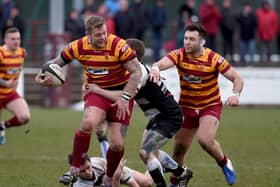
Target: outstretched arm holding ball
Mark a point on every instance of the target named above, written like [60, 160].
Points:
[51, 75]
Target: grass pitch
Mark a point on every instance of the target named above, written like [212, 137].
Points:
[249, 136]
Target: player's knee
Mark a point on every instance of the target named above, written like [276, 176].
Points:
[143, 155]
[117, 147]
[24, 118]
[87, 125]
[205, 142]
[148, 181]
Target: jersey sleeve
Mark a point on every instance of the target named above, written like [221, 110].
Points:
[222, 64]
[174, 56]
[125, 52]
[68, 53]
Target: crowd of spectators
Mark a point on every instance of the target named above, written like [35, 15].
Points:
[243, 34]
[233, 32]
[241, 29]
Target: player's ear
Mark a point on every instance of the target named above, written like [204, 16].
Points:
[202, 42]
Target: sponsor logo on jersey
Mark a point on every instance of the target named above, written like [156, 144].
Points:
[95, 71]
[13, 71]
[192, 79]
[124, 48]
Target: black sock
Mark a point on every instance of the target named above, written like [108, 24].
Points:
[158, 178]
[178, 171]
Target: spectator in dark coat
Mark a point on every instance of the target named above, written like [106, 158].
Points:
[187, 14]
[15, 20]
[158, 20]
[74, 25]
[247, 22]
[140, 15]
[124, 21]
[228, 24]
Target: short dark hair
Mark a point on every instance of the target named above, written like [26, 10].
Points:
[93, 22]
[11, 30]
[84, 158]
[138, 46]
[197, 27]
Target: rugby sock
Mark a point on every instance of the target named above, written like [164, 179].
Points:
[80, 146]
[169, 164]
[113, 160]
[155, 169]
[104, 145]
[13, 122]
[158, 178]
[223, 162]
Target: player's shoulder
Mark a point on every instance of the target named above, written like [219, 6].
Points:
[215, 57]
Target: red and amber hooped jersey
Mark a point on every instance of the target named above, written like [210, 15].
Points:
[11, 64]
[103, 67]
[199, 77]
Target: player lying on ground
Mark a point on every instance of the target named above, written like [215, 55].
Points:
[93, 169]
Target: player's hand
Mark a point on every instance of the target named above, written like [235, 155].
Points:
[233, 101]
[122, 108]
[11, 83]
[43, 79]
[90, 88]
[118, 172]
[154, 75]
[93, 88]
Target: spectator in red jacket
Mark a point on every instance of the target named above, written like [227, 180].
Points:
[210, 17]
[268, 26]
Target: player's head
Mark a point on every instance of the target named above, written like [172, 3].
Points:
[86, 171]
[96, 30]
[194, 38]
[12, 38]
[138, 46]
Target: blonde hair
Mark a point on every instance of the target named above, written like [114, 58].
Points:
[93, 22]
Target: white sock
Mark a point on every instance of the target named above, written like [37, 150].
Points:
[2, 133]
[154, 164]
[104, 145]
[166, 161]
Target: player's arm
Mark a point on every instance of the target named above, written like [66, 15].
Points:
[57, 60]
[238, 84]
[44, 80]
[117, 175]
[133, 67]
[130, 89]
[111, 95]
[162, 64]
[11, 83]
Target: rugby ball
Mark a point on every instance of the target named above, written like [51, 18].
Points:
[55, 72]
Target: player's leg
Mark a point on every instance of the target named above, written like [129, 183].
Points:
[2, 128]
[182, 142]
[21, 113]
[92, 117]
[151, 142]
[142, 179]
[102, 139]
[116, 134]
[17, 106]
[206, 137]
